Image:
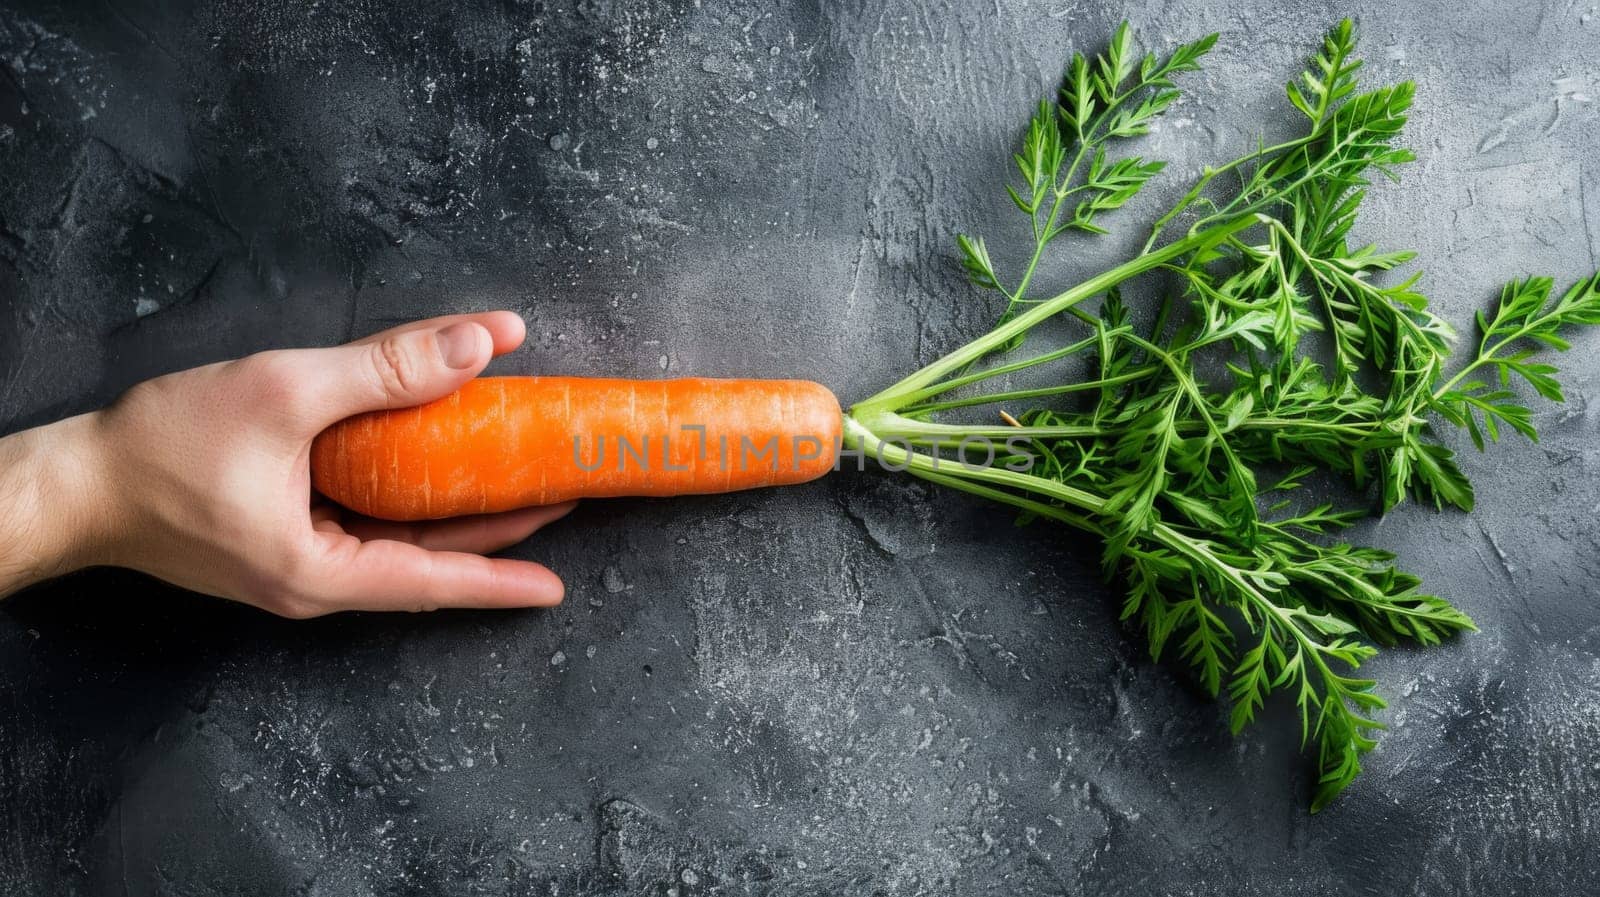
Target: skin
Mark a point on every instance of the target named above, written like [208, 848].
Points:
[202, 478]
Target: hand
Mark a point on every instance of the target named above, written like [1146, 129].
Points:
[202, 478]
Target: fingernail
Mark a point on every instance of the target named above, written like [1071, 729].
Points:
[458, 344]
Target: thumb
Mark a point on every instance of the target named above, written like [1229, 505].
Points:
[398, 370]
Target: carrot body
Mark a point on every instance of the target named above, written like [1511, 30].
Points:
[500, 443]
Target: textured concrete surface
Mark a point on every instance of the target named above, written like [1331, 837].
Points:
[855, 687]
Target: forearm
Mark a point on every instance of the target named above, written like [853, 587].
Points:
[54, 508]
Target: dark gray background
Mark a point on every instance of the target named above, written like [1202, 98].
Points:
[852, 687]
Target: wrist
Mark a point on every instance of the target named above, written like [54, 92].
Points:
[55, 504]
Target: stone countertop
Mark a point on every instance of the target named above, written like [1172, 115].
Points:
[860, 686]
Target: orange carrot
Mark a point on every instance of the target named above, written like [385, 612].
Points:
[500, 443]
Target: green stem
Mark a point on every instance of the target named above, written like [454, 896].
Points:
[894, 396]
[1018, 394]
[1487, 355]
[1041, 238]
[1283, 423]
[887, 452]
[890, 425]
[1451, 383]
[1210, 175]
[1053, 512]
[1011, 367]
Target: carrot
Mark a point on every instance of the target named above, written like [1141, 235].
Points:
[500, 443]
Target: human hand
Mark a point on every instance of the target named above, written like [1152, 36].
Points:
[202, 478]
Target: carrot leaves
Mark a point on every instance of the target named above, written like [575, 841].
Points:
[1524, 321]
[1068, 178]
[1273, 352]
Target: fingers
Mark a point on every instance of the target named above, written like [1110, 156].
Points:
[480, 534]
[401, 367]
[359, 563]
[389, 575]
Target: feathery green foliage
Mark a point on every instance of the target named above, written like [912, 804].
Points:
[1278, 349]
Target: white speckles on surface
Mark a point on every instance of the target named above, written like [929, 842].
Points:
[860, 685]
[612, 579]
